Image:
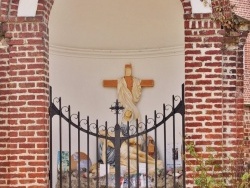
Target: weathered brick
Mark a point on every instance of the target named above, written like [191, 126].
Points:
[213, 78]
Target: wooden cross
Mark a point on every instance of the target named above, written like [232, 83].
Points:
[129, 80]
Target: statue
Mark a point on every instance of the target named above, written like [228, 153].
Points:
[129, 91]
[132, 144]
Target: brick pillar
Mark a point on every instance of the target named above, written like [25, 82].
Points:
[24, 104]
[4, 128]
[203, 85]
[24, 97]
[247, 98]
[247, 72]
[247, 133]
[233, 113]
[242, 9]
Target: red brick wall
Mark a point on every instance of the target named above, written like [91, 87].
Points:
[247, 133]
[24, 99]
[233, 101]
[213, 91]
[242, 9]
[186, 6]
[203, 85]
[4, 133]
[247, 98]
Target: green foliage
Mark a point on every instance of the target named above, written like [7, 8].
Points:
[204, 169]
[208, 174]
[245, 180]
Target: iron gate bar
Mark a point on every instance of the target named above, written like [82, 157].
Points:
[78, 148]
[182, 112]
[69, 115]
[117, 142]
[165, 152]
[146, 126]
[60, 138]
[106, 162]
[88, 151]
[117, 156]
[51, 114]
[97, 172]
[128, 131]
[173, 152]
[155, 122]
[137, 154]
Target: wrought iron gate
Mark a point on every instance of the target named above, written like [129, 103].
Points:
[120, 136]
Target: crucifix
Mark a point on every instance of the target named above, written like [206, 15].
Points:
[129, 92]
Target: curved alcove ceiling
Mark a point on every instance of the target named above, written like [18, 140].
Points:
[117, 25]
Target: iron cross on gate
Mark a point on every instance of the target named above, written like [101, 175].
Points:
[117, 109]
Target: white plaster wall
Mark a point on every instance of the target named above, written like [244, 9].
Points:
[112, 24]
[79, 82]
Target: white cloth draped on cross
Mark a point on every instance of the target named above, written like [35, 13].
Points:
[127, 99]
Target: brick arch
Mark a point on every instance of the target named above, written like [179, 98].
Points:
[9, 8]
[4, 9]
[212, 79]
[186, 6]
